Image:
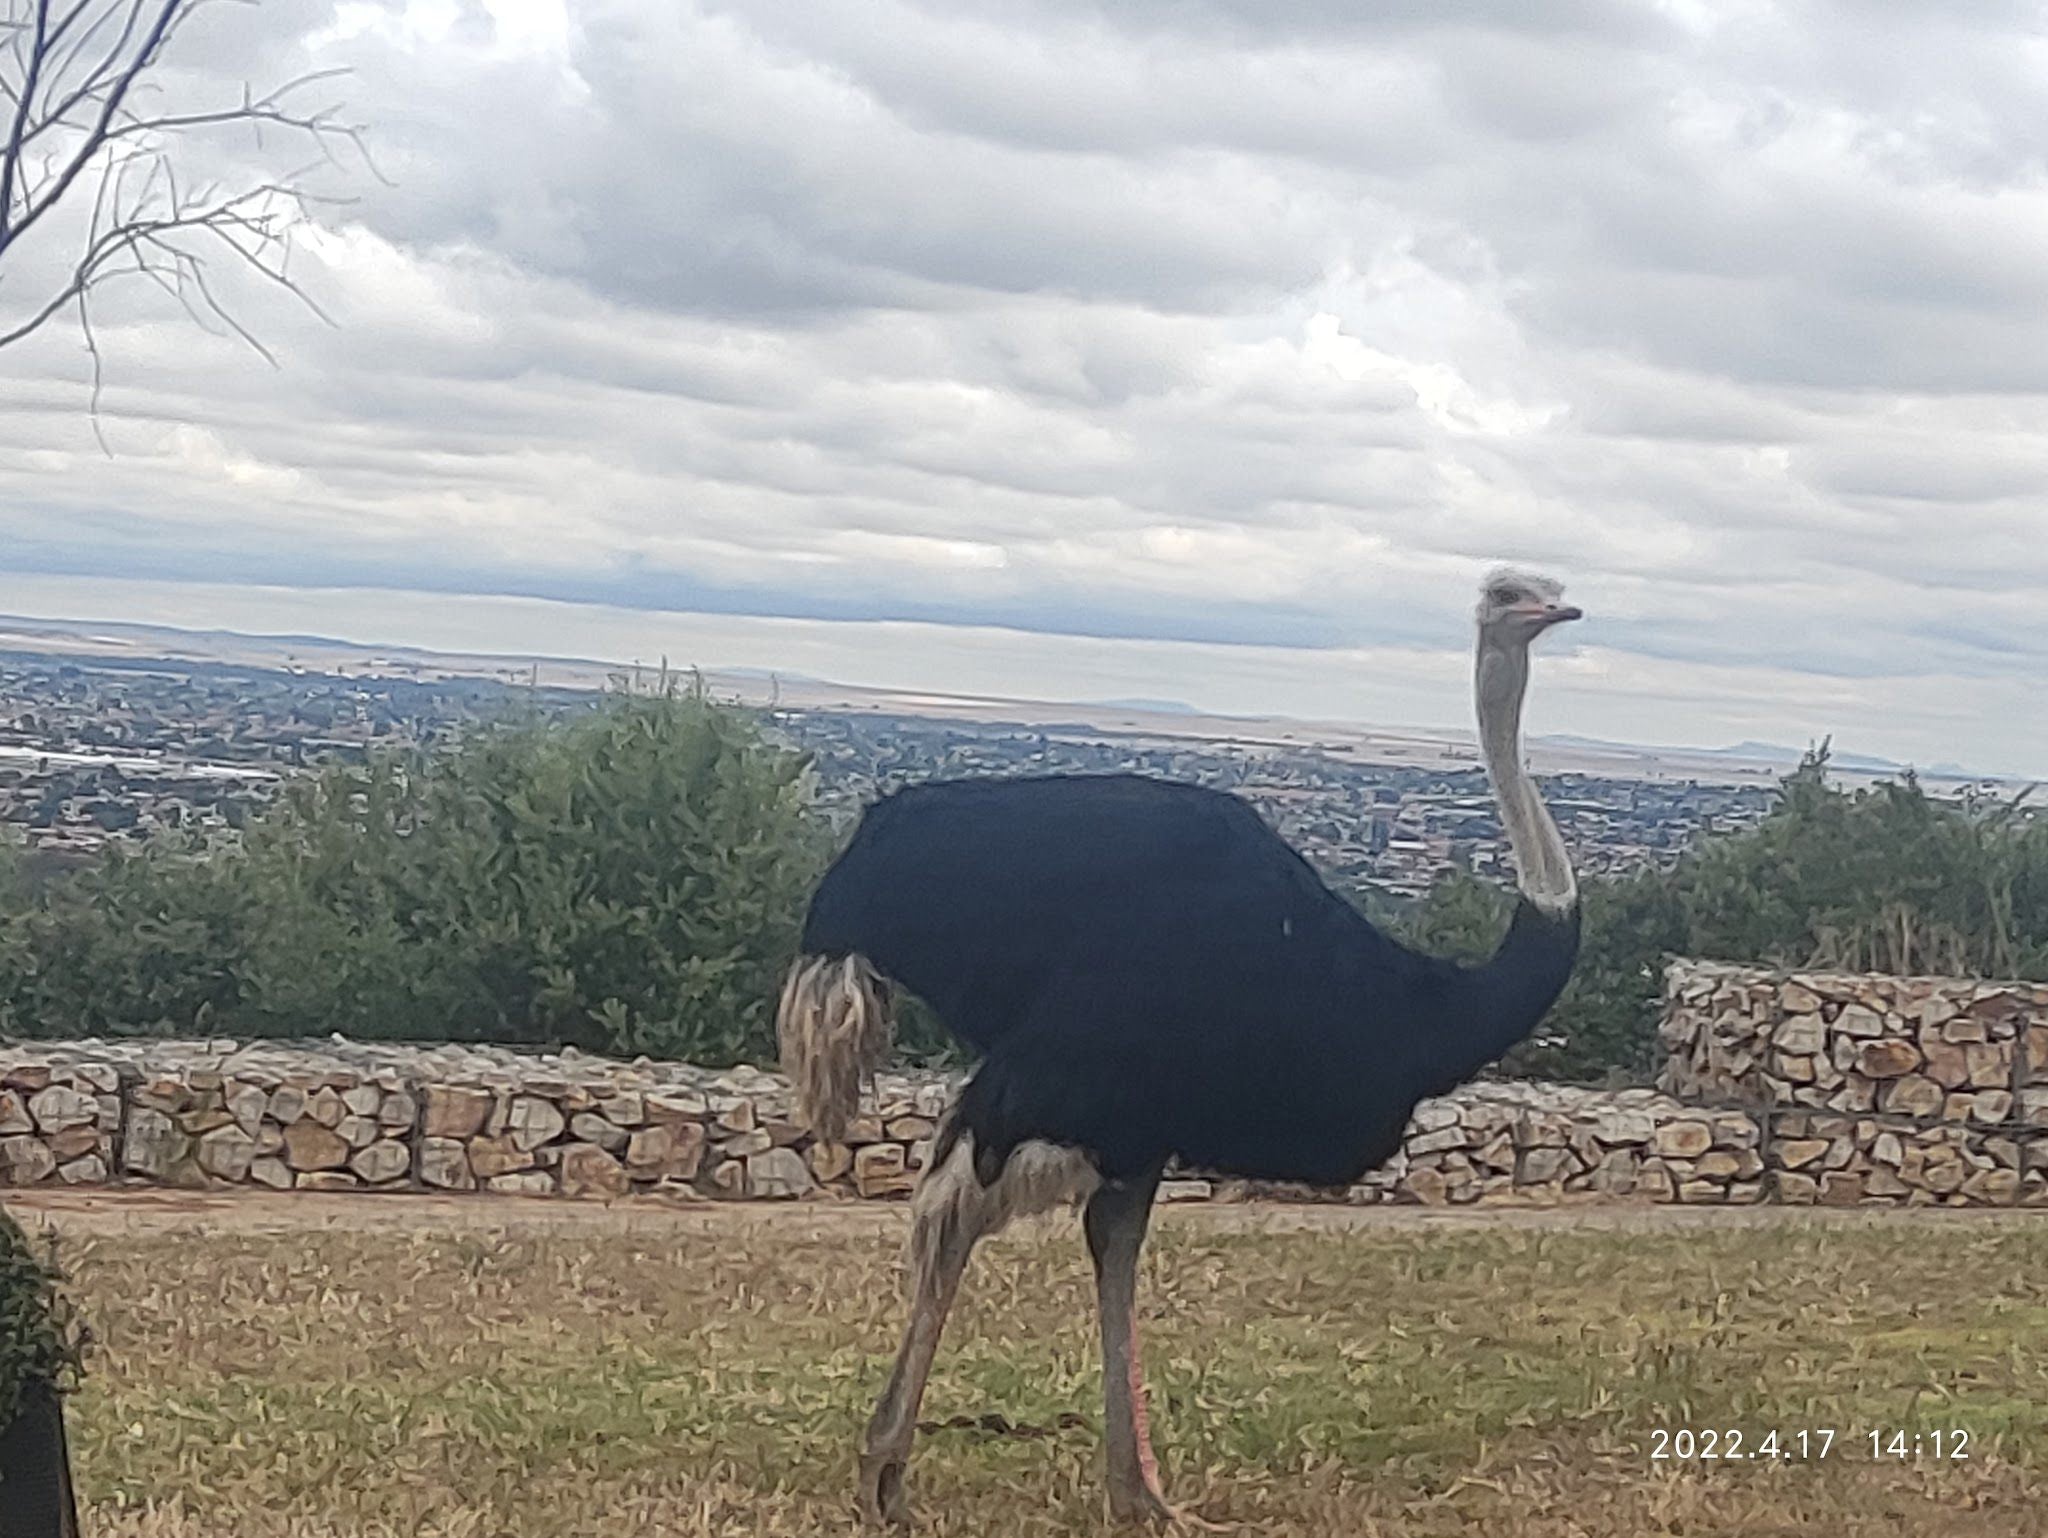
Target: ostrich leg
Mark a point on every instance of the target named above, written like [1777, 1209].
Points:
[1116, 1219]
[948, 1217]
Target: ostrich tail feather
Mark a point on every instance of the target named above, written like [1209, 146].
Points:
[833, 1026]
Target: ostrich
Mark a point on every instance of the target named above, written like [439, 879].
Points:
[1149, 974]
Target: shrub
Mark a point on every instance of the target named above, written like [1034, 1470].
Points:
[1883, 878]
[631, 881]
[42, 1343]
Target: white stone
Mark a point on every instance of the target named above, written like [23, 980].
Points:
[535, 1121]
[363, 1099]
[588, 1127]
[25, 1160]
[1434, 1142]
[247, 1104]
[1434, 1115]
[1802, 1034]
[444, 1164]
[225, 1153]
[382, 1161]
[60, 1106]
[778, 1173]
[88, 1171]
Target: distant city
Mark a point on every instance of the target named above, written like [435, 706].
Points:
[113, 733]
[1397, 826]
[96, 750]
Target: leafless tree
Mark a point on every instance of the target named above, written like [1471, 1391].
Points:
[95, 165]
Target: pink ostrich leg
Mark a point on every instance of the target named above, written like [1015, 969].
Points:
[1141, 1419]
[1115, 1221]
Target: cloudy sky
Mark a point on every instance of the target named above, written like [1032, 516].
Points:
[1198, 349]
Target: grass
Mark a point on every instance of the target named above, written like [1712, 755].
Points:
[710, 1374]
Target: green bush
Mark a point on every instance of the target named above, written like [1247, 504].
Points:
[41, 1340]
[1883, 878]
[631, 881]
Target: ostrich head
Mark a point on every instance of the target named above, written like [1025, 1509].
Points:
[1515, 607]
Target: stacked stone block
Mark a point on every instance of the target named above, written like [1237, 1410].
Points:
[1518, 1144]
[340, 1116]
[58, 1122]
[1801, 1088]
[279, 1122]
[1873, 1090]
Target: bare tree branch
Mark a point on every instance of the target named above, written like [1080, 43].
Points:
[23, 107]
[112, 81]
[76, 80]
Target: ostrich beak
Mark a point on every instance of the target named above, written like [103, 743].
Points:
[1553, 614]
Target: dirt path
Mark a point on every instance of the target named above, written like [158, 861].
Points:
[151, 1211]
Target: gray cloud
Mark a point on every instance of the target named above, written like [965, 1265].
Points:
[1151, 323]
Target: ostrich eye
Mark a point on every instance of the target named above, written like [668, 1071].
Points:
[1505, 597]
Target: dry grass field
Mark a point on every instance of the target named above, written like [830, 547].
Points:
[406, 1367]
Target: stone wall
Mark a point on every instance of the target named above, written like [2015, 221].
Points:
[1526, 1144]
[1778, 1087]
[60, 1122]
[341, 1116]
[1871, 1089]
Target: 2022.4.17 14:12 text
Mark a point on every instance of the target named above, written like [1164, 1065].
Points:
[1731, 1444]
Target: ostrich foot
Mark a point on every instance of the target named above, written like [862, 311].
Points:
[882, 1499]
[1143, 1509]
[1146, 1507]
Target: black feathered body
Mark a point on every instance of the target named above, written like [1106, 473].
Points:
[1150, 972]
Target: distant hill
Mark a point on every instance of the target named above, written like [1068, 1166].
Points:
[116, 643]
[1154, 707]
[1753, 752]
[1778, 753]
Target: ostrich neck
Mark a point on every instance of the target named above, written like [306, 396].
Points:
[1543, 869]
[1486, 1009]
